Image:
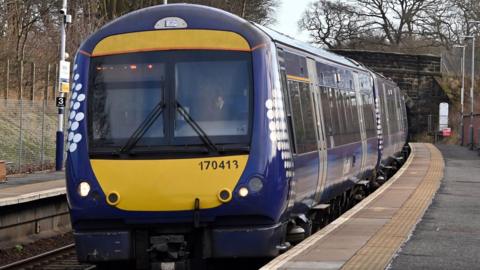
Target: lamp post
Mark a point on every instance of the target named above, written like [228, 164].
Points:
[472, 101]
[63, 77]
[462, 92]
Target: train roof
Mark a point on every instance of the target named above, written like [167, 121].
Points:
[196, 17]
[204, 17]
[284, 39]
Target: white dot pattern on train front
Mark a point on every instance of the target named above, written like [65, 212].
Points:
[76, 116]
[278, 130]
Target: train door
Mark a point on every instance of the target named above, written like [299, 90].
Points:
[361, 119]
[319, 120]
[386, 125]
[400, 123]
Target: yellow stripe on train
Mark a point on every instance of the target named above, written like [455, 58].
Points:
[168, 185]
[159, 40]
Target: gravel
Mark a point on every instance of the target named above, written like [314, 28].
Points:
[21, 252]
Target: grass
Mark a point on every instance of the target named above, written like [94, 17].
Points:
[31, 135]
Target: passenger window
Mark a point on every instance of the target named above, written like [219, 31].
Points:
[327, 116]
[310, 143]
[356, 121]
[287, 108]
[297, 118]
[334, 114]
[327, 75]
[338, 99]
[302, 114]
[369, 115]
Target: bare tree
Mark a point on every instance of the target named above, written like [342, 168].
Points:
[23, 17]
[394, 19]
[331, 23]
[400, 25]
[260, 11]
[440, 25]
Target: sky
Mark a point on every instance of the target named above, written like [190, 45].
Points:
[288, 14]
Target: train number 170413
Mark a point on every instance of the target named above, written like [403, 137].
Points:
[218, 165]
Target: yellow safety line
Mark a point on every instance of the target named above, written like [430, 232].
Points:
[380, 249]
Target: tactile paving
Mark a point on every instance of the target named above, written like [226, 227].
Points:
[379, 250]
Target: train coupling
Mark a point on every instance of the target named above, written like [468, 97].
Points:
[169, 252]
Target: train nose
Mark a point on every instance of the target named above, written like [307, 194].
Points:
[168, 185]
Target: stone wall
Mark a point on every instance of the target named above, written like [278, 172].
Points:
[416, 75]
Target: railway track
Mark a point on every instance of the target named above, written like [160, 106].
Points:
[60, 258]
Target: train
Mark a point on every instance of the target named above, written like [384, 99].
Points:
[195, 134]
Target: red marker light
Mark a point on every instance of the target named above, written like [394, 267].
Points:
[150, 66]
[133, 66]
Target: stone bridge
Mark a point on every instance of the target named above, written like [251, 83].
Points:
[417, 75]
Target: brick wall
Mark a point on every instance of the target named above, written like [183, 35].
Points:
[415, 75]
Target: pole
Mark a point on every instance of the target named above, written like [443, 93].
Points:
[60, 137]
[472, 101]
[471, 92]
[7, 78]
[165, 2]
[462, 92]
[44, 105]
[20, 135]
[32, 90]
[47, 83]
[55, 85]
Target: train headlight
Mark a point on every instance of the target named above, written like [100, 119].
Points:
[255, 184]
[83, 189]
[243, 192]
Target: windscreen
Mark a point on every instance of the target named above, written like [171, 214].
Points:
[171, 98]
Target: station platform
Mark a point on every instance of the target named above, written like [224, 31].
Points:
[370, 234]
[448, 236]
[30, 187]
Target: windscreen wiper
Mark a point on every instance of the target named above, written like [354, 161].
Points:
[144, 126]
[201, 133]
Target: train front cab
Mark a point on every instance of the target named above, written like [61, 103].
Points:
[147, 175]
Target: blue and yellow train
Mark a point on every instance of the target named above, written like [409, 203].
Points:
[196, 134]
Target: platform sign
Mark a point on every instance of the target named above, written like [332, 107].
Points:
[443, 116]
[64, 87]
[64, 77]
[60, 102]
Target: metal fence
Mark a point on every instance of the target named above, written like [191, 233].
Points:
[28, 116]
[27, 134]
[451, 63]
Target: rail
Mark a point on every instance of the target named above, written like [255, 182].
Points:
[51, 258]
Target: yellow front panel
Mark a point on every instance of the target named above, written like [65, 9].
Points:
[168, 185]
[171, 40]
